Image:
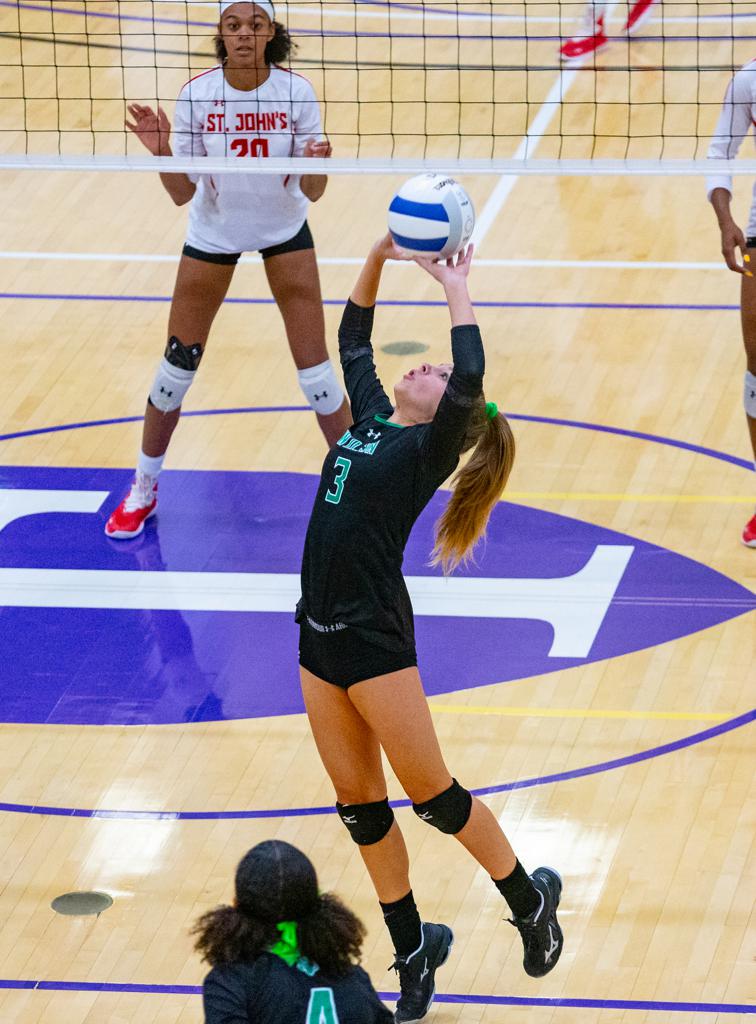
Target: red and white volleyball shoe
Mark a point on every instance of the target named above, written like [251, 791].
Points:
[136, 508]
[749, 533]
[638, 13]
[589, 39]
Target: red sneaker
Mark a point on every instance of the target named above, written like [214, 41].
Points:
[638, 13]
[136, 508]
[589, 40]
[749, 533]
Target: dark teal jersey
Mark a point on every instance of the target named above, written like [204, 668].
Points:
[268, 991]
[374, 484]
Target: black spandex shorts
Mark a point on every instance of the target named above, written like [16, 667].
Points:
[302, 240]
[343, 658]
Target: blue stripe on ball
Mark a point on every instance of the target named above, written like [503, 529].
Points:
[421, 244]
[427, 211]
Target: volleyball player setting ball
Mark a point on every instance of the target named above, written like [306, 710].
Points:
[250, 108]
[284, 953]
[737, 116]
[359, 674]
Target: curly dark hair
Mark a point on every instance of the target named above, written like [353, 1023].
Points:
[277, 51]
[275, 882]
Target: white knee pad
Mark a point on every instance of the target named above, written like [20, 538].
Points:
[321, 388]
[749, 394]
[170, 386]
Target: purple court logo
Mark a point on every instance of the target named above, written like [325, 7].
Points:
[193, 621]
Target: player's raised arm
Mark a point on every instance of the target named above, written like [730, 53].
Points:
[365, 390]
[154, 132]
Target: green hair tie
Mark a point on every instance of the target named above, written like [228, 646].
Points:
[492, 410]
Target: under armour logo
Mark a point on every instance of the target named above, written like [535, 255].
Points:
[424, 970]
[425, 816]
[352, 820]
[373, 433]
[164, 392]
[553, 946]
[318, 397]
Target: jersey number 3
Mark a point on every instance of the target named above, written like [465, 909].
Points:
[334, 497]
[321, 1008]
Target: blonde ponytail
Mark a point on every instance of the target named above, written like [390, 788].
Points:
[477, 488]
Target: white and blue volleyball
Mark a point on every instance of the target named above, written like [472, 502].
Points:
[431, 215]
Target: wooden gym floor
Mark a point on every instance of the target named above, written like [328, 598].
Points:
[613, 339]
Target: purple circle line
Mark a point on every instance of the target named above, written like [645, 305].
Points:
[411, 303]
[449, 997]
[299, 812]
[711, 453]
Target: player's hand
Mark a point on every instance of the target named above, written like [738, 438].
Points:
[454, 269]
[387, 249]
[318, 149]
[153, 130]
[733, 239]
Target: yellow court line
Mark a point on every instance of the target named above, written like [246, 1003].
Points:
[682, 499]
[470, 709]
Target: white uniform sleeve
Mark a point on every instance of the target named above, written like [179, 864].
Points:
[732, 126]
[307, 126]
[187, 127]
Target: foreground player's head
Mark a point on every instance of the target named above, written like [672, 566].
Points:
[419, 391]
[278, 908]
[249, 35]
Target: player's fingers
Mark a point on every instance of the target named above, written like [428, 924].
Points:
[732, 263]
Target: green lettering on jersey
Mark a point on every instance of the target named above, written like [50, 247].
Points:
[321, 1008]
[344, 465]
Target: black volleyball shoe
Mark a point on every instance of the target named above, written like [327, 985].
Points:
[417, 973]
[541, 935]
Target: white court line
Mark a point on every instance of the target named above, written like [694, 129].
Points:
[356, 261]
[527, 148]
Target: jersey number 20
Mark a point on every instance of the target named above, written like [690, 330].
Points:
[250, 147]
[322, 1009]
[344, 465]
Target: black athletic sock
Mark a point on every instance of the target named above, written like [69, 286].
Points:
[403, 923]
[519, 892]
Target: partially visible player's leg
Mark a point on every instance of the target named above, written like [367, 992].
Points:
[748, 321]
[198, 294]
[295, 284]
[589, 37]
[351, 756]
[638, 12]
[397, 711]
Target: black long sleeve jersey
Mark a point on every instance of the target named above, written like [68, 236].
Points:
[268, 991]
[374, 484]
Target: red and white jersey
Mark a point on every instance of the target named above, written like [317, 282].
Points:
[238, 212]
[737, 116]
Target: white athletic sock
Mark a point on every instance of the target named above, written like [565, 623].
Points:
[148, 466]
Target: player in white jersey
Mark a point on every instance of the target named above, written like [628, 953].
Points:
[247, 107]
[735, 120]
[591, 36]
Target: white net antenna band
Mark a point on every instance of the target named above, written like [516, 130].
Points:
[283, 166]
[450, 85]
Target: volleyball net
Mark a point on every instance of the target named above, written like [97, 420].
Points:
[447, 85]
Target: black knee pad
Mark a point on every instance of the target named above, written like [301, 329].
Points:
[449, 811]
[367, 823]
[185, 357]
